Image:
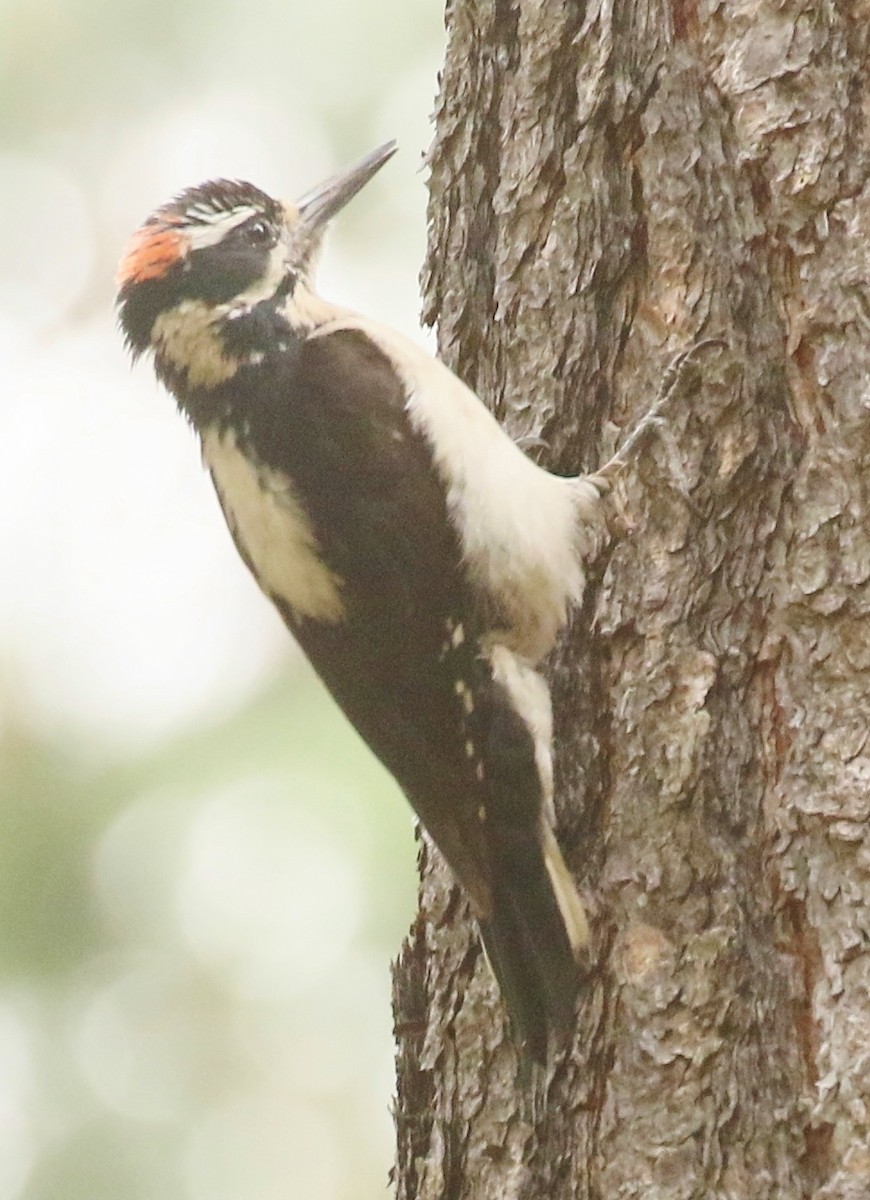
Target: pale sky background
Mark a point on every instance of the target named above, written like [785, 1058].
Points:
[203, 875]
[110, 540]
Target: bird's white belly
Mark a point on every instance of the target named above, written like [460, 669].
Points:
[273, 531]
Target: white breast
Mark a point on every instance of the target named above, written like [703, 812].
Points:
[272, 530]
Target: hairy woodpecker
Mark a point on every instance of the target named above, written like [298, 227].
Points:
[424, 564]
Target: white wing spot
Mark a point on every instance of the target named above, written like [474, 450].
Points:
[457, 637]
[469, 748]
[463, 691]
[478, 770]
[481, 814]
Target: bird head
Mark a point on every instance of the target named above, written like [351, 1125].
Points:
[225, 246]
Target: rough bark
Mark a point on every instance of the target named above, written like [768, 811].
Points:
[611, 182]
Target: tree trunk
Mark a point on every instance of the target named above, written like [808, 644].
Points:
[611, 183]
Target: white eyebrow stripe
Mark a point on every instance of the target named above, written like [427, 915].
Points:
[213, 226]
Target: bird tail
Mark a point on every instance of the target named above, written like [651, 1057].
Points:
[534, 939]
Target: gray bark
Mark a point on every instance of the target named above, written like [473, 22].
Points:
[610, 183]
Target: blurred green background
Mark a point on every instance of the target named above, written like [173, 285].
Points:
[203, 873]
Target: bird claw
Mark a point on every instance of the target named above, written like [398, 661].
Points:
[656, 421]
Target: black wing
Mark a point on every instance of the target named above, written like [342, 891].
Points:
[330, 416]
[406, 662]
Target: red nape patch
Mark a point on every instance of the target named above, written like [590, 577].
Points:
[151, 252]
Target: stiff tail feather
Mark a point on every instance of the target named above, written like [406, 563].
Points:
[534, 939]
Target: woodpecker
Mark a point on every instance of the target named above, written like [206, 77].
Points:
[423, 563]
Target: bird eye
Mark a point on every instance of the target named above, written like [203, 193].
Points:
[259, 233]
